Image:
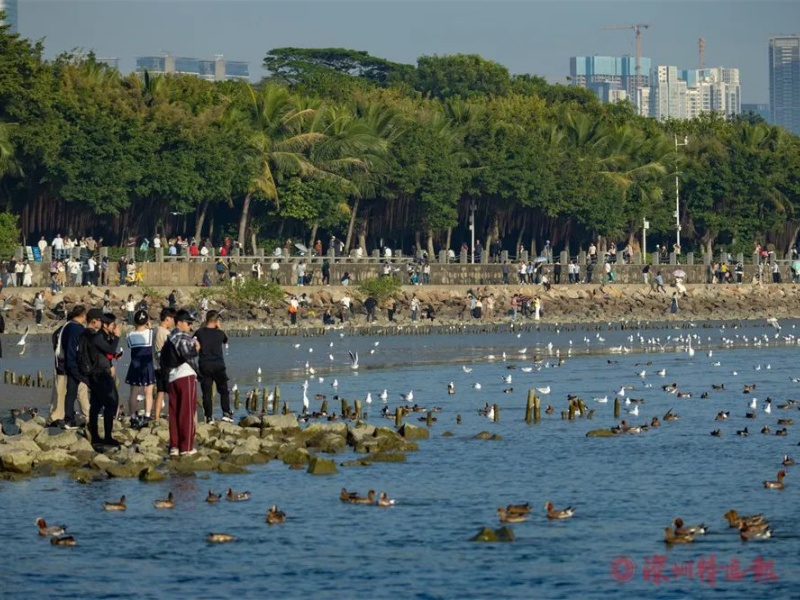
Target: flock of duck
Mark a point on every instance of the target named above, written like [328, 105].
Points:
[751, 527]
[59, 537]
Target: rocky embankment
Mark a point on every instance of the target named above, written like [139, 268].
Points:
[29, 448]
[562, 303]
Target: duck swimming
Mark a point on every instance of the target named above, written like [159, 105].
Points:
[121, 505]
[220, 538]
[237, 496]
[506, 517]
[670, 537]
[788, 461]
[736, 520]
[776, 485]
[681, 529]
[368, 499]
[553, 513]
[63, 540]
[51, 531]
[275, 516]
[212, 497]
[747, 532]
[384, 500]
[168, 502]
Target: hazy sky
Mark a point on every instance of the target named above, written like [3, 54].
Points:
[527, 36]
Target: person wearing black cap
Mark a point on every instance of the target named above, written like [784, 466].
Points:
[102, 343]
[212, 367]
[180, 357]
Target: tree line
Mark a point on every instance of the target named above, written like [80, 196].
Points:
[337, 142]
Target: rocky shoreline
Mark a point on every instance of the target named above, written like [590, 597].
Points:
[29, 448]
[583, 303]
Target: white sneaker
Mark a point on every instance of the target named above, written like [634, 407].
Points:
[191, 452]
[227, 418]
[174, 452]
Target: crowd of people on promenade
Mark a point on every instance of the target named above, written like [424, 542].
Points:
[167, 360]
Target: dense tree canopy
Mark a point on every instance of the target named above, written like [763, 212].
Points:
[338, 142]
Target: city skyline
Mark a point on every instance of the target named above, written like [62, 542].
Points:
[525, 36]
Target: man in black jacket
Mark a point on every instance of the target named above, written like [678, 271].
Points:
[102, 342]
[212, 367]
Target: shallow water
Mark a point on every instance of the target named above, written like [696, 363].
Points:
[625, 490]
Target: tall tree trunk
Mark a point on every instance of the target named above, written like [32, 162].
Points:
[519, 239]
[211, 229]
[253, 242]
[430, 244]
[448, 239]
[492, 234]
[362, 233]
[417, 241]
[351, 225]
[243, 219]
[313, 237]
[202, 210]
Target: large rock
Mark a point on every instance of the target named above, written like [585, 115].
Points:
[503, 534]
[127, 470]
[412, 432]
[600, 433]
[9, 426]
[17, 461]
[361, 433]
[280, 422]
[228, 468]
[292, 455]
[328, 443]
[336, 428]
[151, 474]
[321, 466]
[58, 458]
[20, 442]
[30, 428]
[242, 455]
[49, 439]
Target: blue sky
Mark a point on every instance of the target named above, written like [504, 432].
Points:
[527, 36]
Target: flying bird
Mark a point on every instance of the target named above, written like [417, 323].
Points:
[353, 359]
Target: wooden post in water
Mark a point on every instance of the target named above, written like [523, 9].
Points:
[537, 409]
[581, 407]
[264, 401]
[616, 407]
[529, 407]
[285, 409]
[6, 376]
[398, 416]
[324, 408]
[357, 405]
[237, 399]
[345, 408]
[39, 379]
[458, 419]
[496, 413]
[276, 399]
[571, 410]
[429, 418]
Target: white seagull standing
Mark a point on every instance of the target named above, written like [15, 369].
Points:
[368, 399]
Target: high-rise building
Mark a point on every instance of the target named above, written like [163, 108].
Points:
[667, 94]
[617, 70]
[712, 90]
[216, 69]
[760, 109]
[10, 8]
[784, 82]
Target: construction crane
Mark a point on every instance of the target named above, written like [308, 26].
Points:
[638, 29]
[701, 44]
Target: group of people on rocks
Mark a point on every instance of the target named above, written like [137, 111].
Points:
[166, 360]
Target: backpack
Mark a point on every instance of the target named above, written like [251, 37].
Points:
[87, 354]
[170, 359]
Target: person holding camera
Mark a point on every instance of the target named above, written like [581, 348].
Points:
[99, 346]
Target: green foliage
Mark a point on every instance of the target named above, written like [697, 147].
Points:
[250, 291]
[380, 288]
[10, 234]
[464, 75]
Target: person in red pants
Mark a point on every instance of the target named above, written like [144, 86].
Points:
[180, 356]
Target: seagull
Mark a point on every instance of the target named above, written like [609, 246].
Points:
[476, 385]
[467, 369]
[543, 390]
[774, 322]
[662, 373]
[642, 373]
[296, 346]
[376, 344]
[335, 384]
[634, 411]
[330, 357]
[384, 395]
[602, 400]
[507, 378]
[522, 351]
[768, 406]
[305, 395]
[621, 391]
[353, 359]
[368, 399]
[409, 397]
[526, 369]
[490, 413]
[259, 373]
[451, 388]
[22, 340]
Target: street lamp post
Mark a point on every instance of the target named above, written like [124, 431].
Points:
[472, 207]
[677, 193]
[645, 227]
